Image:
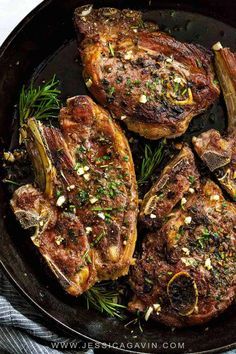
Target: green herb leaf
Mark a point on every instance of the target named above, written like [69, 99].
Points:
[111, 49]
[149, 281]
[97, 239]
[151, 160]
[11, 182]
[82, 196]
[110, 90]
[41, 102]
[105, 301]
[101, 208]
[191, 179]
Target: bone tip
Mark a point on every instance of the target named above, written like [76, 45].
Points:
[217, 46]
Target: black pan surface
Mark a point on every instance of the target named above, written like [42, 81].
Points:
[44, 44]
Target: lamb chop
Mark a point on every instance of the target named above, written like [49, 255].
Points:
[216, 150]
[84, 205]
[186, 274]
[146, 78]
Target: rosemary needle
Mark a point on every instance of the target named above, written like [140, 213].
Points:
[104, 300]
[39, 102]
[11, 182]
[152, 158]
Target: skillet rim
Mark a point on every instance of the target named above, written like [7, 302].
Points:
[7, 42]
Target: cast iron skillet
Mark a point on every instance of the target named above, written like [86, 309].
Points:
[44, 44]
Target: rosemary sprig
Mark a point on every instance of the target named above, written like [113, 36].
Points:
[11, 182]
[136, 321]
[111, 49]
[104, 300]
[41, 102]
[151, 160]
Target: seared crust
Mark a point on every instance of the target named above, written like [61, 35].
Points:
[145, 77]
[175, 180]
[86, 226]
[186, 274]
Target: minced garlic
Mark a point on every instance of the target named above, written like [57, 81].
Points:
[60, 201]
[101, 216]
[89, 83]
[143, 99]
[188, 220]
[148, 313]
[93, 200]
[87, 176]
[128, 55]
[186, 251]
[207, 264]
[88, 229]
[215, 197]
[157, 308]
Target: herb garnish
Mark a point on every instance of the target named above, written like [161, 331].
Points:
[41, 102]
[102, 209]
[152, 158]
[180, 232]
[105, 301]
[87, 257]
[147, 280]
[136, 320]
[205, 237]
[111, 49]
[191, 179]
[97, 239]
[110, 90]
[83, 196]
[11, 182]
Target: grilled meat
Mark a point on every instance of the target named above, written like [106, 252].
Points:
[84, 207]
[186, 274]
[176, 179]
[153, 82]
[219, 152]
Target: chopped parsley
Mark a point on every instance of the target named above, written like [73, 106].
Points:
[97, 239]
[192, 179]
[82, 196]
[204, 238]
[149, 281]
[87, 257]
[111, 49]
[110, 90]
[81, 148]
[180, 232]
[119, 79]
